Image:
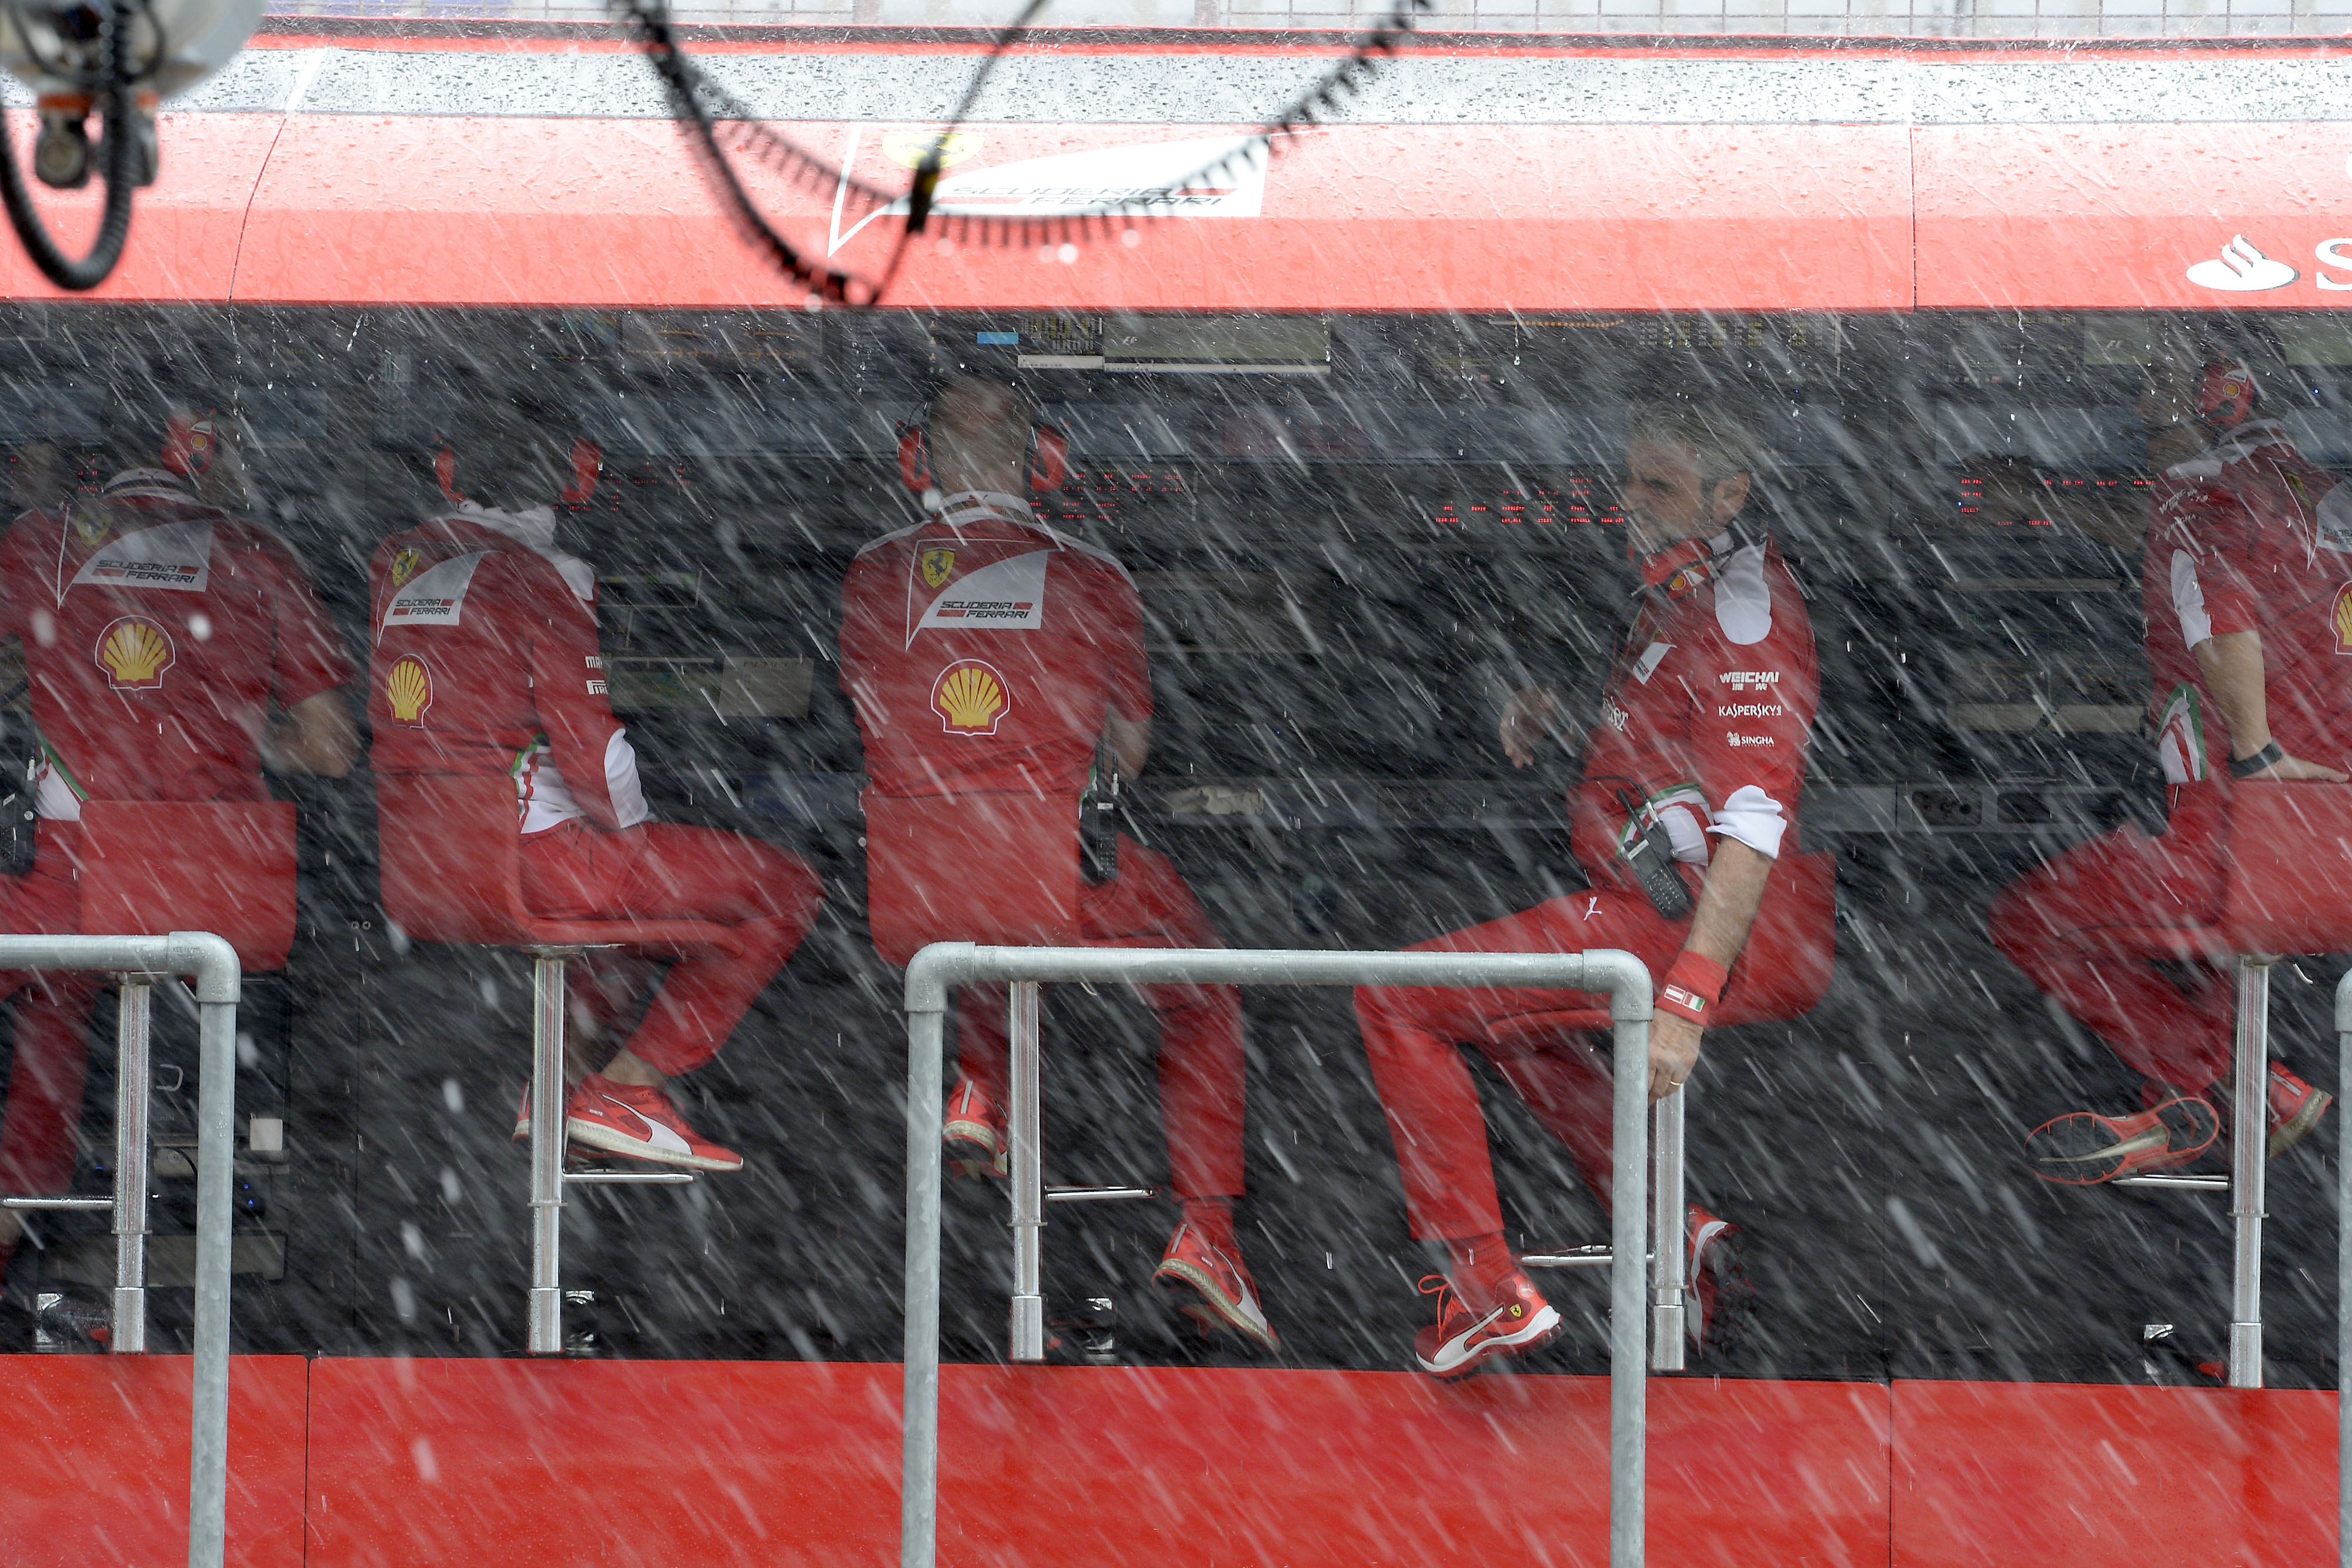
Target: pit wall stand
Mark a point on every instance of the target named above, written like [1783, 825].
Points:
[938, 970]
[2249, 1158]
[549, 1093]
[141, 961]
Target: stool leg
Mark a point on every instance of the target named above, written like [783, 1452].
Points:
[1668, 1226]
[546, 1096]
[2249, 1152]
[1028, 1179]
[134, 1076]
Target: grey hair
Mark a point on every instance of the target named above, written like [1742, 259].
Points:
[1723, 442]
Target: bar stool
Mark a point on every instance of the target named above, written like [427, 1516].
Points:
[450, 854]
[1783, 974]
[2281, 886]
[149, 869]
[1001, 870]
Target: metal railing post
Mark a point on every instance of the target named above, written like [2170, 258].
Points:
[1668, 1342]
[919, 1397]
[211, 963]
[2248, 1154]
[1628, 1376]
[1027, 1134]
[134, 1078]
[941, 966]
[2344, 1289]
[547, 1098]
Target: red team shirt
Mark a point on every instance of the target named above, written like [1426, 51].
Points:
[158, 632]
[1705, 717]
[983, 651]
[486, 661]
[2249, 537]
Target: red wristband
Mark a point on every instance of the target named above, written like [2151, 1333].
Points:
[1691, 984]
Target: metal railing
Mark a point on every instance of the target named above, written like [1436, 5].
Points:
[2343, 1287]
[938, 970]
[211, 963]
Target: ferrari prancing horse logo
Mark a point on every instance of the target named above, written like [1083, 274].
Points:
[938, 566]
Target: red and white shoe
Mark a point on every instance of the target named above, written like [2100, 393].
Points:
[974, 1133]
[2082, 1147]
[640, 1123]
[1212, 1287]
[523, 1117]
[2295, 1109]
[1468, 1334]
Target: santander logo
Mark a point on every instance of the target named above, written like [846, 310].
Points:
[2242, 269]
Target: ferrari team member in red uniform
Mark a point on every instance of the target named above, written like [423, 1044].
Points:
[173, 651]
[2248, 632]
[1700, 743]
[1023, 703]
[485, 661]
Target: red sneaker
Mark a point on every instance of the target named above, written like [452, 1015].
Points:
[974, 1134]
[1466, 1335]
[2295, 1109]
[1212, 1287]
[523, 1117]
[2082, 1147]
[640, 1122]
[1720, 1293]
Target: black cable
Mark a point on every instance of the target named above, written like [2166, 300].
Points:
[704, 104]
[114, 225]
[686, 88]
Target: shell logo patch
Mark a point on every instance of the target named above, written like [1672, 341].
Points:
[134, 651]
[408, 689]
[404, 565]
[971, 697]
[938, 566]
[2342, 617]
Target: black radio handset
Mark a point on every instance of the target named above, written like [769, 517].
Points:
[1101, 814]
[1651, 852]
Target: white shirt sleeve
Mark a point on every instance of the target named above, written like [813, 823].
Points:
[627, 795]
[1755, 818]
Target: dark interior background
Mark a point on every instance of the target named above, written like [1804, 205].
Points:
[1347, 569]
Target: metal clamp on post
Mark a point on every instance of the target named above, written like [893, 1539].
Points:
[938, 970]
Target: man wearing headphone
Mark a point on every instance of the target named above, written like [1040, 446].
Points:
[174, 652]
[1691, 778]
[485, 661]
[2249, 638]
[996, 666]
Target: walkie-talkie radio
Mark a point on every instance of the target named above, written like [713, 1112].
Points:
[1651, 852]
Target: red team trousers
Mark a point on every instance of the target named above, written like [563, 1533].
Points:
[2171, 1022]
[1200, 1094]
[658, 871]
[1410, 1032]
[43, 1124]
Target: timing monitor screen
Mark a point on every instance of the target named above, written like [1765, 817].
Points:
[848, 632]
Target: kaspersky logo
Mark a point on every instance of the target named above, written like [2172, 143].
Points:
[2242, 267]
